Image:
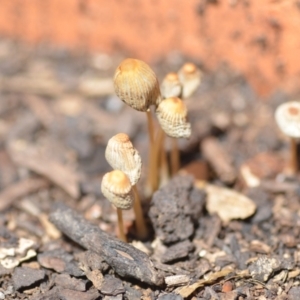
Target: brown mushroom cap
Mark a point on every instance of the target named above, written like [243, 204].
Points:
[172, 116]
[171, 86]
[121, 155]
[136, 84]
[190, 78]
[116, 187]
[287, 116]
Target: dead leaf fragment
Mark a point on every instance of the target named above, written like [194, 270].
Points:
[188, 290]
[228, 204]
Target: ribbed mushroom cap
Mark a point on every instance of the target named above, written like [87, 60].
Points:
[116, 187]
[172, 117]
[121, 155]
[287, 117]
[171, 86]
[136, 84]
[190, 78]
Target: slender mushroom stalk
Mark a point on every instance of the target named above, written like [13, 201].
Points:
[170, 87]
[116, 187]
[172, 116]
[287, 117]
[175, 157]
[190, 78]
[121, 155]
[137, 85]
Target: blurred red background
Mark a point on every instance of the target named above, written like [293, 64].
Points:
[259, 38]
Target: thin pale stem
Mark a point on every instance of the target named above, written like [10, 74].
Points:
[122, 235]
[150, 127]
[164, 168]
[152, 176]
[141, 228]
[293, 156]
[174, 157]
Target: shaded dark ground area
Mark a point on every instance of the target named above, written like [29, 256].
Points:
[58, 112]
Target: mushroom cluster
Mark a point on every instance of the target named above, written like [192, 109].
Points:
[136, 84]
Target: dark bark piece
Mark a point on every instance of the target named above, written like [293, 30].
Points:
[219, 159]
[30, 157]
[92, 261]
[170, 211]
[170, 297]
[118, 297]
[112, 286]
[60, 261]
[49, 295]
[177, 251]
[27, 277]
[131, 293]
[126, 260]
[67, 294]
[67, 282]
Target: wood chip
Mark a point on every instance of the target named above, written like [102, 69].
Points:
[28, 156]
[188, 290]
[21, 189]
[218, 159]
[41, 110]
[228, 204]
[176, 280]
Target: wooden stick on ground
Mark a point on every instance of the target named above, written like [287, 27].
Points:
[126, 260]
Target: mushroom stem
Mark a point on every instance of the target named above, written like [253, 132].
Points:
[152, 175]
[150, 127]
[122, 235]
[155, 166]
[293, 156]
[174, 157]
[164, 169]
[141, 228]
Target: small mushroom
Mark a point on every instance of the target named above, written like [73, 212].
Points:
[287, 116]
[190, 78]
[172, 116]
[121, 155]
[116, 187]
[137, 85]
[171, 86]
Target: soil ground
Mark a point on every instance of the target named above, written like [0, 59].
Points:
[58, 110]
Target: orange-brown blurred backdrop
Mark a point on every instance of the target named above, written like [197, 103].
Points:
[260, 38]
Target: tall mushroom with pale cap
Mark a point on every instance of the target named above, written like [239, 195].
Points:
[172, 117]
[190, 78]
[137, 85]
[287, 116]
[121, 155]
[116, 187]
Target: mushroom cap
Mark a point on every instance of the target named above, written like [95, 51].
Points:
[116, 187]
[287, 116]
[121, 155]
[172, 116]
[136, 84]
[171, 86]
[190, 78]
